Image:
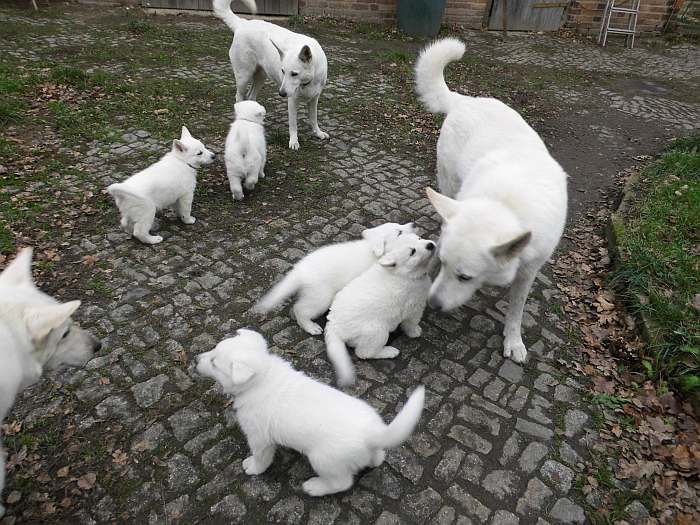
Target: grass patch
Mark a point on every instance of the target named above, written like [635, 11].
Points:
[659, 243]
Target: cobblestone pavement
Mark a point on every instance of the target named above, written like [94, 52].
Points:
[499, 443]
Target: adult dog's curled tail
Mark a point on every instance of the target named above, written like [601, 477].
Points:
[404, 423]
[284, 289]
[222, 9]
[338, 354]
[430, 78]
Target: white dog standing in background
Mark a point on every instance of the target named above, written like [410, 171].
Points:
[392, 292]
[503, 200]
[170, 182]
[324, 272]
[36, 333]
[278, 405]
[296, 63]
[246, 150]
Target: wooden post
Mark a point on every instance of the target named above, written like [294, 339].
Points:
[504, 19]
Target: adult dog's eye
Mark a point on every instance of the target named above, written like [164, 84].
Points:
[464, 278]
[294, 74]
[200, 153]
[283, 71]
[65, 334]
[413, 252]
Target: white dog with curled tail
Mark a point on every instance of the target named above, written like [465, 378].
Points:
[277, 405]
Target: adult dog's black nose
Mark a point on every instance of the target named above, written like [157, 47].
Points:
[430, 246]
[283, 93]
[435, 304]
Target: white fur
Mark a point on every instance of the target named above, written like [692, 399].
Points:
[170, 182]
[392, 292]
[504, 202]
[321, 274]
[296, 63]
[246, 148]
[36, 333]
[277, 405]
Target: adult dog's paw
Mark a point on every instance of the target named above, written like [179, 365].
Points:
[294, 144]
[413, 331]
[322, 135]
[515, 350]
[189, 220]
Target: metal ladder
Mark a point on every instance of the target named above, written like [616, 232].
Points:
[631, 9]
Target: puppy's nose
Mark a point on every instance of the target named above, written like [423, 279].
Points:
[430, 246]
[435, 304]
[213, 155]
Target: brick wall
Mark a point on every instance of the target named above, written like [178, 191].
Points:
[469, 13]
[586, 15]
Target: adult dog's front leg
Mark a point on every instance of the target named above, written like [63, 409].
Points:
[313, 117]
[292, 107]
[513, 345]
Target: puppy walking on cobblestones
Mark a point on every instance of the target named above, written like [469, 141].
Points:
[504, 197]
[296, 63]
[246, 148]
[392, 292]
[278, 405]
[324, 272]
[36, 334]
[170, 182]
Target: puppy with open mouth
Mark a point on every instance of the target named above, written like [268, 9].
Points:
[277, 405]
[393, 292]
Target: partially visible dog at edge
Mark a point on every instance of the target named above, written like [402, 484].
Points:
[246, 150]
[36, 334]
[277, 405]
[503, 197]
[321, 274]
[169, 183]
[295, 63]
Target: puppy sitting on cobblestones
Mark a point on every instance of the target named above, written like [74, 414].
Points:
[278, 405]
[246, 148]
[170, 182]
[392, 292]
[323, 273]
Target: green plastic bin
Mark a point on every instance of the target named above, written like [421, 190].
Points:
[420, 17]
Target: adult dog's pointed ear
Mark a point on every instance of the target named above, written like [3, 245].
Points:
[305, 54]
[376, 242]
[240, 373]
[179, 146]
[507, 251]
[40, 320]
[278, 48]
[446, 207]
[185, 133]
[19, 271]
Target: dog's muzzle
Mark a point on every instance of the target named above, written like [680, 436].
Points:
[283, 93]
[435, 304]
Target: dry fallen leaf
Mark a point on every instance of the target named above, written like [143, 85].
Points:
[119, 457]
[14, 497]
[63, 472]
[87, 481]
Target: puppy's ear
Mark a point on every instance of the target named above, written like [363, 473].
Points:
[511, 249]
[185, 133]
[260, 114]
[376, 241]
[179, 146]
[278, 48]
[446, 207]
[19, 271]
[240, 373]
[40, 320]
[388, 261]
[305, 54]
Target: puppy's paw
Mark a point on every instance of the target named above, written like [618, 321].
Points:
[388, 352]
[189, 220]
[515, 350]
[413, 331]
[249, 185]
[153, 239]
[251, 466]
[322, 135]
[238, 196]
[311, 327]
[262, 174]
[315, 487]
[294, 144]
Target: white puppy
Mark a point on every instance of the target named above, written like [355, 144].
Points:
[278, 405]
[36, 333]
[392, 292]
[322, 273]
[296, 63]
[170, 182]
[504, 202]
[245, 147]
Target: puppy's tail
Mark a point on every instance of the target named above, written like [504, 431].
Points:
[430, 78]
[120, 194]
[222, 9]
[404, 423]
[280, 292]
[338, 354]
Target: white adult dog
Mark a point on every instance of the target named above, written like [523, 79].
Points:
[36, 333]
[296, 63]
[324, 272]
[503, 200]
[170, 182]
[392, 292]
[246, 152]
[278, 405]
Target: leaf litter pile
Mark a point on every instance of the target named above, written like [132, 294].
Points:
[649, 446]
